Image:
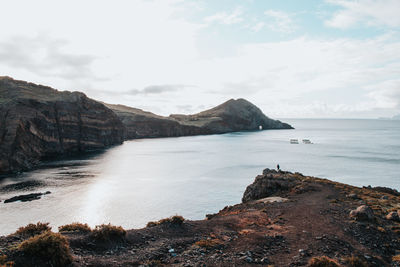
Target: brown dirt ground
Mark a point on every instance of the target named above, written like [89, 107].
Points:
[313, 222]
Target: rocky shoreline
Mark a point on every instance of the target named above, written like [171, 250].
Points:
[285, 219]
[38, 122]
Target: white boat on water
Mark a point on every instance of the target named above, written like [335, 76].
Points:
[294, 141]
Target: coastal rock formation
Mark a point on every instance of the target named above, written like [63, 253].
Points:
[231, 116]
[144, 124]
[268, 184]
[37, 122]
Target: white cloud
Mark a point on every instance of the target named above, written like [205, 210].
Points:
[281, 21]
[144, 44]
[257, 27]
[366, 12]
[227, 18]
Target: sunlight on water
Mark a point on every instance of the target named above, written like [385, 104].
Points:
[149, 179]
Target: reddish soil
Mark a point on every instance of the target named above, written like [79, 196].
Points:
[314, 221]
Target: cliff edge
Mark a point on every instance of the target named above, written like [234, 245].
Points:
[38, 121]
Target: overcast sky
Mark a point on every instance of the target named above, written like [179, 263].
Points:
[332, 58]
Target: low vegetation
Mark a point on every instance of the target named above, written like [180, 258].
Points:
[4, 262]
[75, 227]
[354, 261]
[322, 261]
[51, 248]
[108, 232]
[209, 243]
[33, 229]
[174, 220]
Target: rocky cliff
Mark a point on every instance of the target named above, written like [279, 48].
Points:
[38, 122]
[143, 124]
[231, 116]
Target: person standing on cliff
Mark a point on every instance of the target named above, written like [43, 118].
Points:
[278, 167]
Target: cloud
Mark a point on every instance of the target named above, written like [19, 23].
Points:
[158, 89]
[386, 94]
[280, 21]
[258, 26]
[44, 56]
[227, 18]
[365, 12]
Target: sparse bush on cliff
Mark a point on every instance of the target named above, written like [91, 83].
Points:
[33, 229]
[209, 243]
[174, 220]
[322, 262]
[108, 232]
[4, 262]
[75, 227]
[354, 261]
[52, 248]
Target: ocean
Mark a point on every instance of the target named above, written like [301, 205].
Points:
[149, 179]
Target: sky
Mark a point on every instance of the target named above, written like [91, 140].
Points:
[291, 58]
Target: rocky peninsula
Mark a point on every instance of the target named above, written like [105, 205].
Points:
[285, 219]
[38, 122]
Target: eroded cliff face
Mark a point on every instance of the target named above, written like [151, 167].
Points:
[38, 122]
[231, 116]
[143, 124]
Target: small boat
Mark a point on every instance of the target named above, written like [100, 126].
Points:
[294, 141]
[307, 141]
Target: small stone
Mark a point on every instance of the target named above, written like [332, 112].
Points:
[393, 216]
[249, 259]
[362, 213]
[353, 196]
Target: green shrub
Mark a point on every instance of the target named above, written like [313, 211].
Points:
[322, 262]
[50, 247]
[33, 229]
[75, 227]
[108, 232]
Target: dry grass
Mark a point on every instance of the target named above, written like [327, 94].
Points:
[75, 227]
[33, 229]
[396, 258]
[209, 243]
[4, 262]
[50, 247]
[108, 232]
[354, 261]
[174, 220]
[322, 262]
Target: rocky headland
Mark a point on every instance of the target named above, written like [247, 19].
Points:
[38, 122]
[231, 116]
[285, 219]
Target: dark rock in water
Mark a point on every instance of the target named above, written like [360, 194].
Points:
[28, 197]
[362, 213]
[37, 122]
[231, 116]
[26, 185]
[393, 216]
[268, 184]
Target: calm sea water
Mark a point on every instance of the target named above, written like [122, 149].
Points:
[150, 179]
